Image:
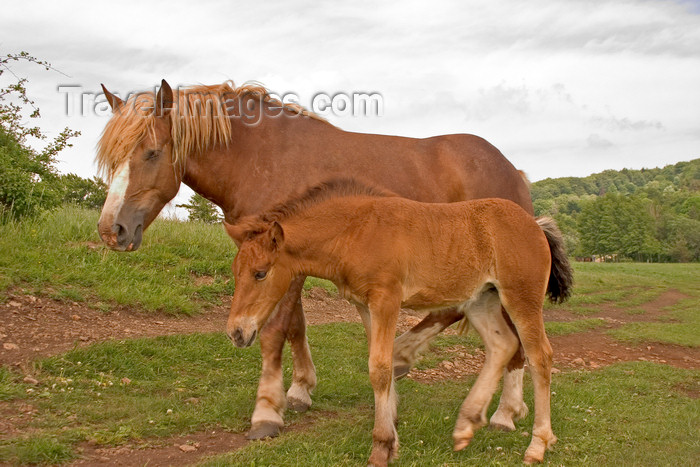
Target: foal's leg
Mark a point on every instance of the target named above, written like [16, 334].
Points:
[366, 321]
[539, 356]
[501, 344]
[270, 403]
[304, 372]
[385, 442]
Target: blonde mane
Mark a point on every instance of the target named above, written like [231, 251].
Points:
[199, 121]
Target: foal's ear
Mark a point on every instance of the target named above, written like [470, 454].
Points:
[276, 235]
[164, 99]
[114, 102]
[237, 232]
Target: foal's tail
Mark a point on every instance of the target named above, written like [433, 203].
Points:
[561, 276]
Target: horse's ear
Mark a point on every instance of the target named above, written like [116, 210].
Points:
[114, 102]
[237, 232]
[164, 99]
[276, 235]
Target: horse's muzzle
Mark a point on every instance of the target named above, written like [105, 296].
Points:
[120, 238]
[240, 339]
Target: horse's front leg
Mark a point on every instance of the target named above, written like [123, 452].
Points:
[267, 420]
[385, 441]
[304, 372]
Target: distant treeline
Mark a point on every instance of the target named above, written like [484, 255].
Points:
[644, 215]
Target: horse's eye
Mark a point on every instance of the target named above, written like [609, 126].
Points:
[260, 275]
[152, 154]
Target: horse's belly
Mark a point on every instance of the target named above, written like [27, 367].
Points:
[428, 299]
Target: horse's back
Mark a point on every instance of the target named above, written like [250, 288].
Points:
[438, 169]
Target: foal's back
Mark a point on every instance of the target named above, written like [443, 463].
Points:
[441, 254]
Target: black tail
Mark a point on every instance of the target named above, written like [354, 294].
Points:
[561, 276]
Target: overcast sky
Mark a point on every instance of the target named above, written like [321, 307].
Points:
[563, 88]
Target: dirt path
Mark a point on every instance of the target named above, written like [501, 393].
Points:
[32, 327]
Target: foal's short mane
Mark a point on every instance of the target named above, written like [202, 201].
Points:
[199, 121]
[334, 188]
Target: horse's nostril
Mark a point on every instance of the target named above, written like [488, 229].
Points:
[121, 232]
[237, 337]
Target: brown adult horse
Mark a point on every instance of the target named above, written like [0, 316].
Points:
[247, 152]
[385, 253]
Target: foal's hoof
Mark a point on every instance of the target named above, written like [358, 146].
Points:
[297, 405]
[400, 371]
[501, 427]
[263, 430]
[461, 443]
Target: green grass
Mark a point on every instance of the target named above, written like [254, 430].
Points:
[632, 414]
[51, 256]
[9, 389]
[40, 450]
[626, 415]
[561, 328]
[628, 285]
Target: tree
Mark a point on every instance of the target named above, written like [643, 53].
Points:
[90, 193]
[29, 182]
[202, 210]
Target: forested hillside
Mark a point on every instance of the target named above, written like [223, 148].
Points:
[645, 215]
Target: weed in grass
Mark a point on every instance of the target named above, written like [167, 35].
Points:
[37, 450]
[9, 387]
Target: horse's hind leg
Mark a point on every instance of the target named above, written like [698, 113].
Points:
[409, 345]
[304, 372]
[511, 407]
[501, 344]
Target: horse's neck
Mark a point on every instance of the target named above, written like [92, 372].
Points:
[250, 174]
[213, 176]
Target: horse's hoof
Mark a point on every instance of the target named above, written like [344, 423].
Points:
[529, 460]
[400, 371]
[501, 427]
[263, 430]
[297, 405]
[461, 443]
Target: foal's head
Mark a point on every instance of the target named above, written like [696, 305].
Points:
[263, 275]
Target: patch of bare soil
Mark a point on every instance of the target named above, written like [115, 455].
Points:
[32, 327]
[174, 451]
[458, 364]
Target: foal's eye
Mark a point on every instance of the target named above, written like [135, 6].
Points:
[260, 275]
[151, 154]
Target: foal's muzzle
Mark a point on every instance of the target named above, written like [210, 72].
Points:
[240, 339]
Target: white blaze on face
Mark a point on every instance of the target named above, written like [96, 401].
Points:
[116, 194]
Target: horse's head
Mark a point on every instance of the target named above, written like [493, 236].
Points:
[136, 150]
[263, 275]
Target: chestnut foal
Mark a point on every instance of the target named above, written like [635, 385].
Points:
[386, 252]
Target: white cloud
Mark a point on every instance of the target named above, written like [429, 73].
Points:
[562, 88]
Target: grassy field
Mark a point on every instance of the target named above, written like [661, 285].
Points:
[628, 414]
[141, 391]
